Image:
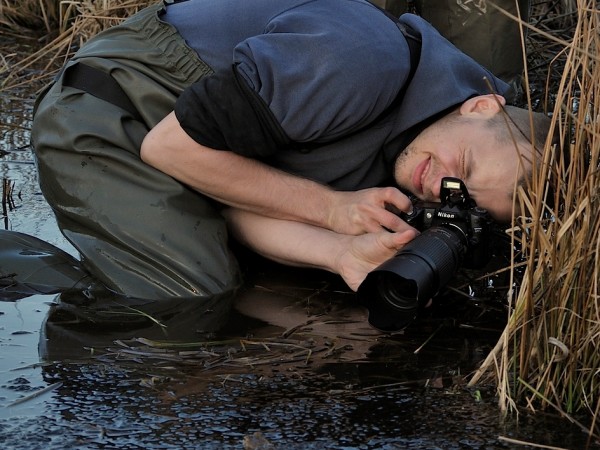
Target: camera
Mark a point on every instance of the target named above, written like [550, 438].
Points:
[454, 233]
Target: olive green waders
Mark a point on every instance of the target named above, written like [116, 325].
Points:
[139, 232]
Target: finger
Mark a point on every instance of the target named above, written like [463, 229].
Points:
[375, 225]
[404, 237]
[395, 241]
[392, 222]
[397, 200]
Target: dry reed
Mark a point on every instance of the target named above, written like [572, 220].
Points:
[549, 353]
[19, 16]
[71, 23]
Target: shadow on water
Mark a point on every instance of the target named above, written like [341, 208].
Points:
[295, 365]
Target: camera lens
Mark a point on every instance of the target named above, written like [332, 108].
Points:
[394, 291]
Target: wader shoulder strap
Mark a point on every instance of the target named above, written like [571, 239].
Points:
[99, 84]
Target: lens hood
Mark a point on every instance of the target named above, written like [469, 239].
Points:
[395, 290]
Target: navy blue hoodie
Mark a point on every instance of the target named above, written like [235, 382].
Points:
[325, 89]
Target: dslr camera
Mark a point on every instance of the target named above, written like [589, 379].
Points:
[454, 232]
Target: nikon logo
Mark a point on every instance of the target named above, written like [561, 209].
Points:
[445, 215]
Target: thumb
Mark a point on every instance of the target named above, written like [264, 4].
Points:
[393, 242]
[400, 239]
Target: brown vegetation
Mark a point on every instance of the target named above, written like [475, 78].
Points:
[68, 24]
[549, 354]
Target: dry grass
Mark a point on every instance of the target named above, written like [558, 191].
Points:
[70, 22]
[18, 16]
[549, 353]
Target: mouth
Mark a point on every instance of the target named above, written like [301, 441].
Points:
[418, 175]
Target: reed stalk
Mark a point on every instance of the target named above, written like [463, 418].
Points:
[549, 353]
[20, 15]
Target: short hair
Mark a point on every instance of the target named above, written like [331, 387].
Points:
[524, 127]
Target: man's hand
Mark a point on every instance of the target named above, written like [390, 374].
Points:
[366, 211]
[366, 252]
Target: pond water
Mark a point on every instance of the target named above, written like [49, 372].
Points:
[295, 365]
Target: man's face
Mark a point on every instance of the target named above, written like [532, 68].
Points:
[467, 149]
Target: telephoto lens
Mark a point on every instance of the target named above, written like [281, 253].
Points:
[394, 292]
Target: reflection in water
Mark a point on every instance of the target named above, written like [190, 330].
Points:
[315, 378]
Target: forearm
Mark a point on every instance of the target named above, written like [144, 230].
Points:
[299, 244]
[235, 180]
[287, 242]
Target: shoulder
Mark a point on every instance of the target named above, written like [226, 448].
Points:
[326, 68]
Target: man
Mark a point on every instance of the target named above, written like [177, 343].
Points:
[289, 121]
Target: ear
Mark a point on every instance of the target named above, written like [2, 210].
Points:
[487, 105]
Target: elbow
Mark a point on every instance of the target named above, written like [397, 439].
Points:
[149, 149]
[155, 148]
[163, 143]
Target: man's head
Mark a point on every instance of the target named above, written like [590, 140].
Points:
[489, 150]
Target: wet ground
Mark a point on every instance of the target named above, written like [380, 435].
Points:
[295, 366]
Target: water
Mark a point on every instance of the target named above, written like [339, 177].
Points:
[296, 363]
